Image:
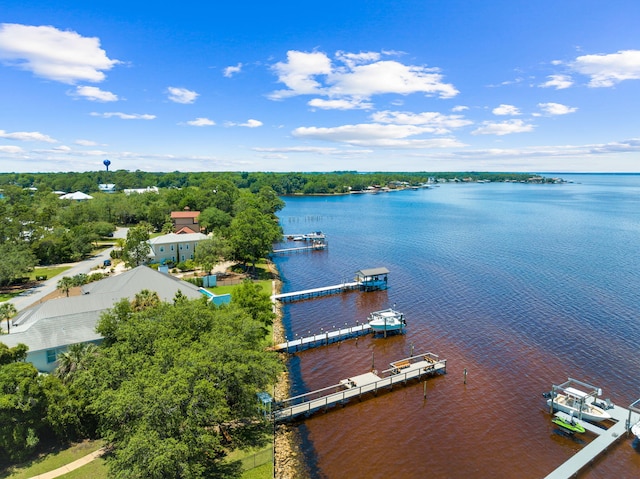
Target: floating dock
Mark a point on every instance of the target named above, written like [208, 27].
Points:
[323, 338]
[401, 371]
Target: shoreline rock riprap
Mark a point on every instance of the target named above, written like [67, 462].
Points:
[288, 461]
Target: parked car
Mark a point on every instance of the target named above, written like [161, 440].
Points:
[106, 262]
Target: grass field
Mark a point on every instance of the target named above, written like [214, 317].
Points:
[49, 462]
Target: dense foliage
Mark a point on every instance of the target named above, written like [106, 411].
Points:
[172, 388]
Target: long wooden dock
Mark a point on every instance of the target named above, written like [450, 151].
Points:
[400, 372]
[316, 292]
[606, 438]
[323, 338]
[300, 249]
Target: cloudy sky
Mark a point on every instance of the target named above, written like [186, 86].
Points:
[408, 85]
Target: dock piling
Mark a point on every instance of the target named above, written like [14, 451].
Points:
[465, 375]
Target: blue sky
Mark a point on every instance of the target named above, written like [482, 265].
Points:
[424, 85]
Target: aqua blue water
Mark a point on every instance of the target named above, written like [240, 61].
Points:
[522, 285]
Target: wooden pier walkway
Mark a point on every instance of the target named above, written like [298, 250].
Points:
[323, 338]
[606, 438]
[300, 249]
[400, 372]
[316, 292]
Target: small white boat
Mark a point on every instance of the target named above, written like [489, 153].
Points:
[573, 401]
[387, 321]
[636, 430]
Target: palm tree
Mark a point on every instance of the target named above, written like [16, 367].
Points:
[65, 284]
[74, 359]
[145, 299]
[7, 311]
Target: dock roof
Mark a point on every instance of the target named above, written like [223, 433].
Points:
[373, 271]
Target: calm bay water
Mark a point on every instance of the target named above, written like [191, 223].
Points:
[522, 285]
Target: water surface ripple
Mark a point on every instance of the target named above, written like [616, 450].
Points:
[522, 285]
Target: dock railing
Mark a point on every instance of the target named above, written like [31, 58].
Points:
[307, 403]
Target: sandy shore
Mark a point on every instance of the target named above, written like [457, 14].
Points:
[288, 460]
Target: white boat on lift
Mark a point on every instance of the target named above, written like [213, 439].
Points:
[387, 321]
[573, 401]
[635, 429]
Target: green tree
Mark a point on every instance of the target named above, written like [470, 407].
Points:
[211, 251]
[252, 234]
[22, 407]
[145, 299]
[251, 298]
[136, 247]
[74, 359]
[175, 383]
[7, 311]
[17, 260]
[212, 219]
[65, 284]
[14, 354]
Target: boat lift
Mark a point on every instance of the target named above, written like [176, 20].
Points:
[580, 395]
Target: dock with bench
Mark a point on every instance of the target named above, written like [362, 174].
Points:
[399, 374]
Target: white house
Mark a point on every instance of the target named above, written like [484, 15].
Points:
[174, 248]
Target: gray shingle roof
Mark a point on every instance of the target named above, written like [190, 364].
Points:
[65, 321]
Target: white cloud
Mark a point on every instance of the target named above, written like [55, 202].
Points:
[437, 122]
[230, 71]
[298, 72]
[374, 134]
[86, 143]
[12, 149]
[125, 116]
[358, 76]
[458, 108]
[503, 128]
[63, 56]
[95, 94]
[606, 70]
[181, 95]
[251, 123]
[556, 108]
[201, 122]
[559, 82]
[27, 136]
[342, 104]
[302, 149]
[503, 110]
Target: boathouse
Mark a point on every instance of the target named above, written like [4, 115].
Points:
[372, 279]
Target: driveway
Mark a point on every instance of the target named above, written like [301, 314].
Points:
[44, 288]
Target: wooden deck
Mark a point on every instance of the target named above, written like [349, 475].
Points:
[316, 292]
[606, 438]
[357, 386]
[323, 338]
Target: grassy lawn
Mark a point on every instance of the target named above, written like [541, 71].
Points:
[51, 461]
[261, 472]
[96, 469]
[48, 271]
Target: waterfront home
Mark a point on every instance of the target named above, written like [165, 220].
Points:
[174, 247]
[49, 328]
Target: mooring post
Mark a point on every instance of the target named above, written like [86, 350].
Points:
[411, 349]
[425, 389]
[373, 365]
[465, 375]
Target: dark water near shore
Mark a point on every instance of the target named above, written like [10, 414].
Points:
[522, 285]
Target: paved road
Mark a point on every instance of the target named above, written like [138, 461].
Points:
[44, 288]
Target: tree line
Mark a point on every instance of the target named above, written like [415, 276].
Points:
[39, 228]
